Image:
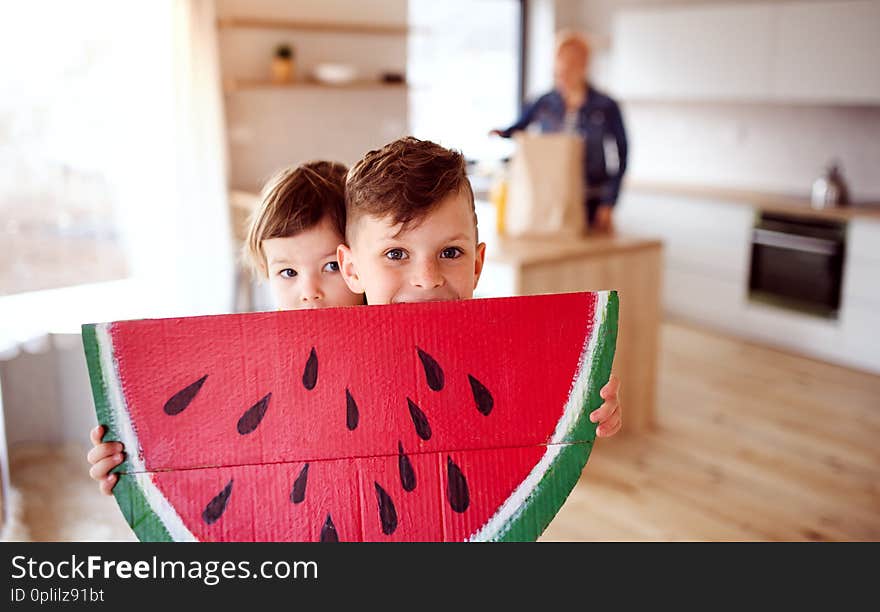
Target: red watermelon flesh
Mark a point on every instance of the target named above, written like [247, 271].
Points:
[404, 422]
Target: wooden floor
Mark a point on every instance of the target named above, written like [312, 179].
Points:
[751, 444]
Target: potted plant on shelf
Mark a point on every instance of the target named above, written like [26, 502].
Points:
[282, 64]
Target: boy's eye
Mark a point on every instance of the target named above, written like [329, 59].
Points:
[396, 254]
[287, 273]
[451, 253]
[331, 266]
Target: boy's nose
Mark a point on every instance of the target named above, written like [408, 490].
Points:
[427, 275]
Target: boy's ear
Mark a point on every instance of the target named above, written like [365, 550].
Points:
[479, 260]
[345, 259]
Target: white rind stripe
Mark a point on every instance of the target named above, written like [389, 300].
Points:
[569, 419]
[124, 427]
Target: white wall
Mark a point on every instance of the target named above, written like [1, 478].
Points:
[540, 47]
[770, 147]
[762, 147]
[272, 128]
[46, 394]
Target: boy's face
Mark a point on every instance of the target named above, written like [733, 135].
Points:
[436, 259]
[303, 271]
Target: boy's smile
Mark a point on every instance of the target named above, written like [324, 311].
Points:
[436, 258]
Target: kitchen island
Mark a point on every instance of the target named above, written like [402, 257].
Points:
[629, 264]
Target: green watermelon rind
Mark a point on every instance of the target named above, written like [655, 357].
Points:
[130, 491]
[526, 513]
[523, 516]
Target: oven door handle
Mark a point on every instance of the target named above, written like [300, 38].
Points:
[794, 242]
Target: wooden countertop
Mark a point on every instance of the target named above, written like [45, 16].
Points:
[524, 251]
[769, 202]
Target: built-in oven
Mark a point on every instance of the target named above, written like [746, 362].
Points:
[797, 263]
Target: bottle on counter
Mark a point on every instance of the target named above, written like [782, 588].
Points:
[498, 198]
[829, 190]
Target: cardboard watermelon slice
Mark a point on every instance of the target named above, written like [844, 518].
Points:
[444, 421]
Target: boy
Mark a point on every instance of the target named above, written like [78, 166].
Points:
[292, 241]
[411, 236]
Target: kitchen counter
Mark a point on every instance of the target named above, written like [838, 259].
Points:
[764, 201]
[707, 271]
[544, 251]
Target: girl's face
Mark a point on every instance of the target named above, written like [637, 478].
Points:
[303, 271]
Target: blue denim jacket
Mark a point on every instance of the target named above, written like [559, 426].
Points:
[598, 120]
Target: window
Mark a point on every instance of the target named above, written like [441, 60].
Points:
[464, 65]
[57, 224]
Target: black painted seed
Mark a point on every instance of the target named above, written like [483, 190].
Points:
[456, 487]
[310, 373]
[387, 512]
[298, 493]
[253, 415]
[217, 506]
[481, 396]
[423, 429]
[180, 400]
[407, 473]
[328, 531]
[351, 412]
[433, 371]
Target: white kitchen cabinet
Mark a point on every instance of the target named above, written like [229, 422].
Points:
[706, 53]
[788, 52]
[794, 331]
[828, 52]
[860, 312]
[859, 345]
[861, 277]
[704, 298]
[706, 253]
[861, 281]
[863, 240]
[701, 236]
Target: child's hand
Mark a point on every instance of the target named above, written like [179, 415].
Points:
[104, 456]
[608, 415]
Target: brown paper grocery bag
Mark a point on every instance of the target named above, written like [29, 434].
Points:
[545, 195]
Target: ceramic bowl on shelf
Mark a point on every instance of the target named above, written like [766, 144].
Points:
[334, 74]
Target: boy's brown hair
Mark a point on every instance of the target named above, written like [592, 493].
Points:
[405, 180]
[294, 200]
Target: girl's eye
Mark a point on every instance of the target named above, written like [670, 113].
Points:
[396, 254]
[331, 266]
[287, 273]
[451, 253]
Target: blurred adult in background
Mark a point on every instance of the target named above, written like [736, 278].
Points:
[575, 106]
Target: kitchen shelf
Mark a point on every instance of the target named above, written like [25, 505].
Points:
[312, 26]
[234, 85]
